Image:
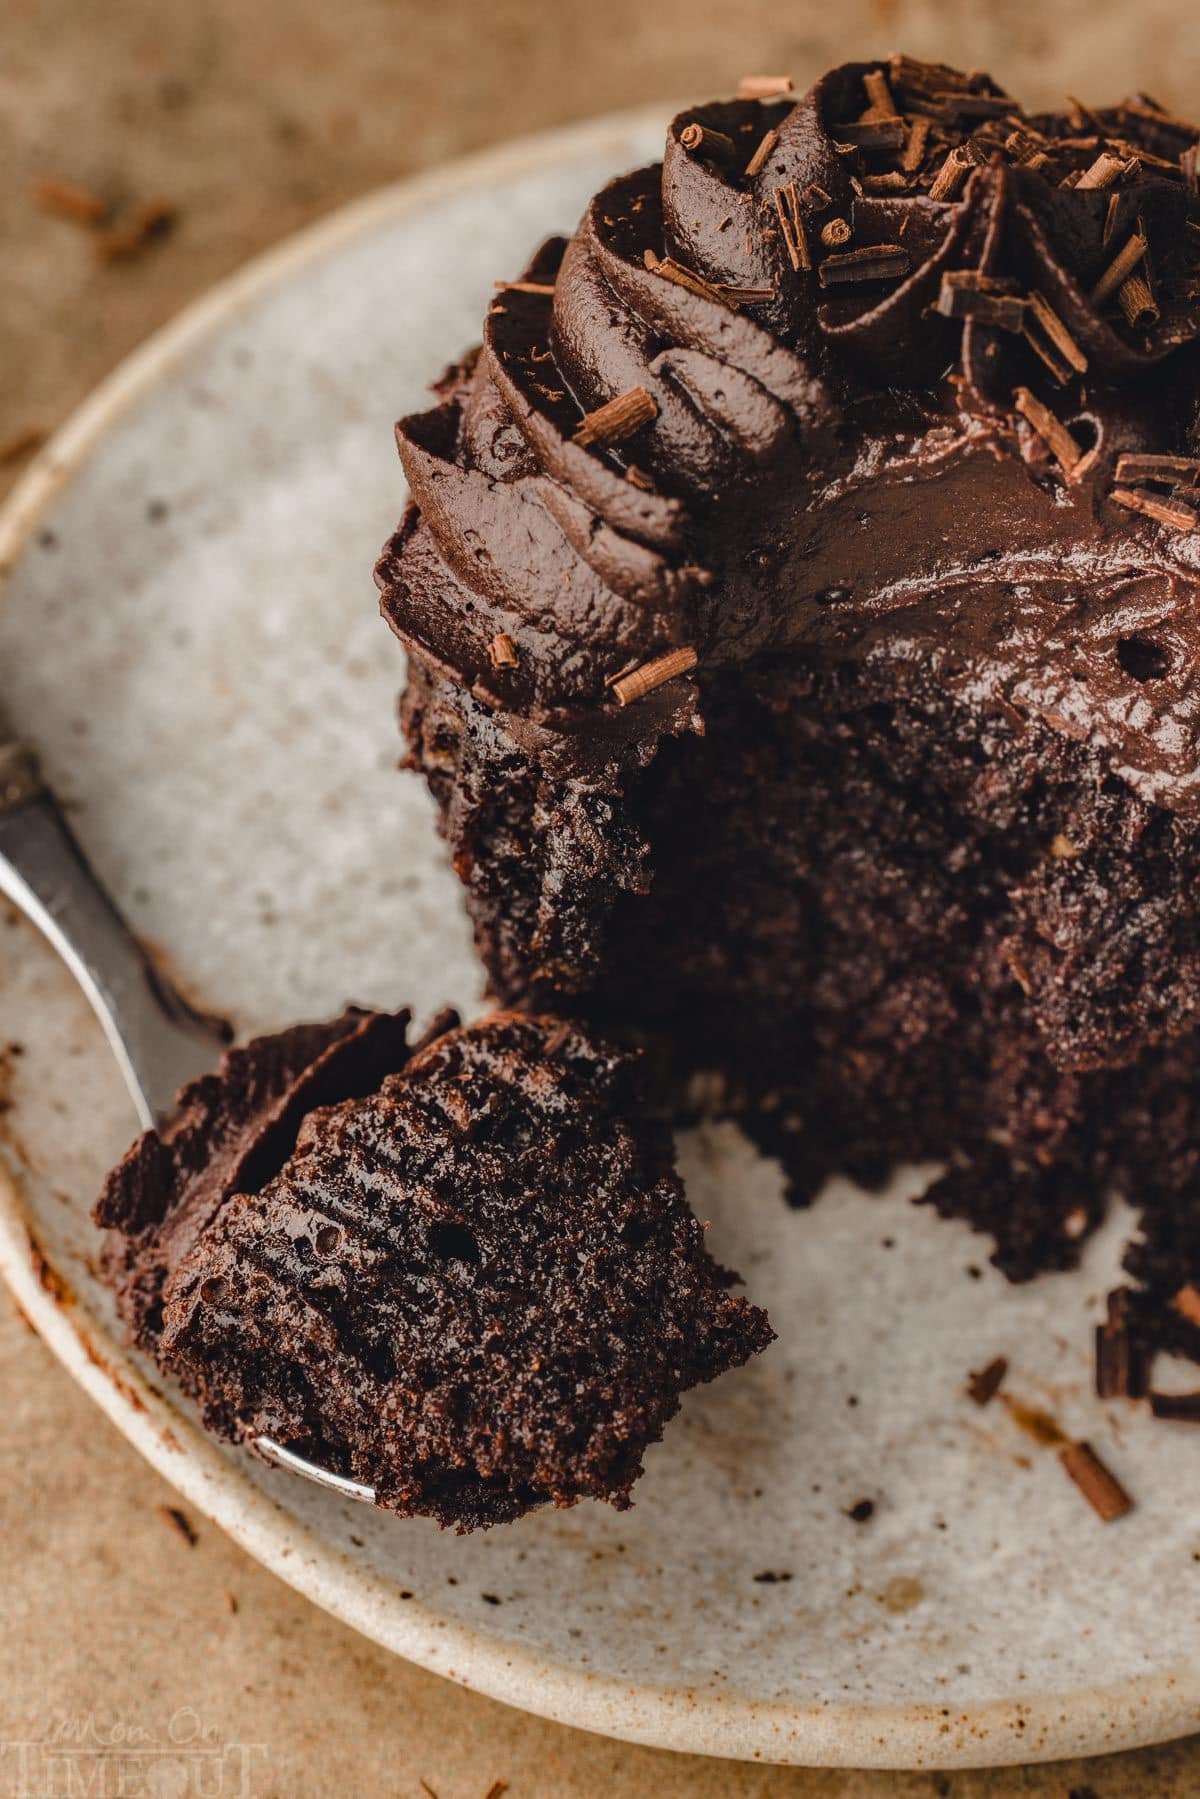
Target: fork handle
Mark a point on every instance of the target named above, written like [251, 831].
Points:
[158, 1039]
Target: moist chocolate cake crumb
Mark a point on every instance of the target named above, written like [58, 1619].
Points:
[459, 1272]
[984, 1384]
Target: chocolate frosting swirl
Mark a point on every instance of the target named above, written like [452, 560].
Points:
[860, 359]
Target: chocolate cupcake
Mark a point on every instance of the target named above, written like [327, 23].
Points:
[800, 591]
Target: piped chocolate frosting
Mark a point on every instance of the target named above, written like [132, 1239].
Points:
[921, 385]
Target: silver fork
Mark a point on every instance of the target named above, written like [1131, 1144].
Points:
[159, 1041]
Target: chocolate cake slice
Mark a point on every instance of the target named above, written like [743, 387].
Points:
[800, 591]
[459, 1272]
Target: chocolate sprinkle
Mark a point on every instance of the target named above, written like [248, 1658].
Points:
[1098, 1484]
[875, 262]
[617, 419]
[644, 680]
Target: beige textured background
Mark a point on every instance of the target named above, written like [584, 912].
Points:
[252, 117]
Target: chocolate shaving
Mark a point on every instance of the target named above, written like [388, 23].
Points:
[745, 296]
[152, 221]
[670, 270]
[875, 262]
[1187, 1303]
[814, 198]
[1145, 108]
[67, 200]
[973, 106]
[879, 94]
[1143, 158]
[523, 287]
[696, 137]
[1098, 1484]
[1189, 167]
[1110, 217]
[1106, 169]
[502, 651]
[949, 177]
[643, 680]
[764, 87]
[892, 182]
[1037, 1423]
[926, 78]
[985, 1383]
[1049, 337]
[639, 478]
[872, 134]
[976, 281]
[1121, 1371]
[1051, 430]
[757, 162]
[179, 1522]
[616, 419]
[978, 299]
[1121, 266]
[835, 234]
[1027, 147]
[1170, 472]
[791, 225]
[1137, 302]
[1178, 1408]
[914, 149]
[1167, 512]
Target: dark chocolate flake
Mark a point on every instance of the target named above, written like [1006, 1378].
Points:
[1168, 471]
[873, 134]
[1120, 1362]
[1175, 514]
[971, 299]
[1098, 1484]
[1177, 1408]
[875, 262]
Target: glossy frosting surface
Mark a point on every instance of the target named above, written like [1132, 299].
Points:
[835, 469]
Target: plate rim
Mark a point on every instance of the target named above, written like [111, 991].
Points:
[1133, 1713]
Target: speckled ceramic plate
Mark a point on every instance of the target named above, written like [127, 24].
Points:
[190, 638]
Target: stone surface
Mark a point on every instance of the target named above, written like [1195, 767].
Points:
[252, 121]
